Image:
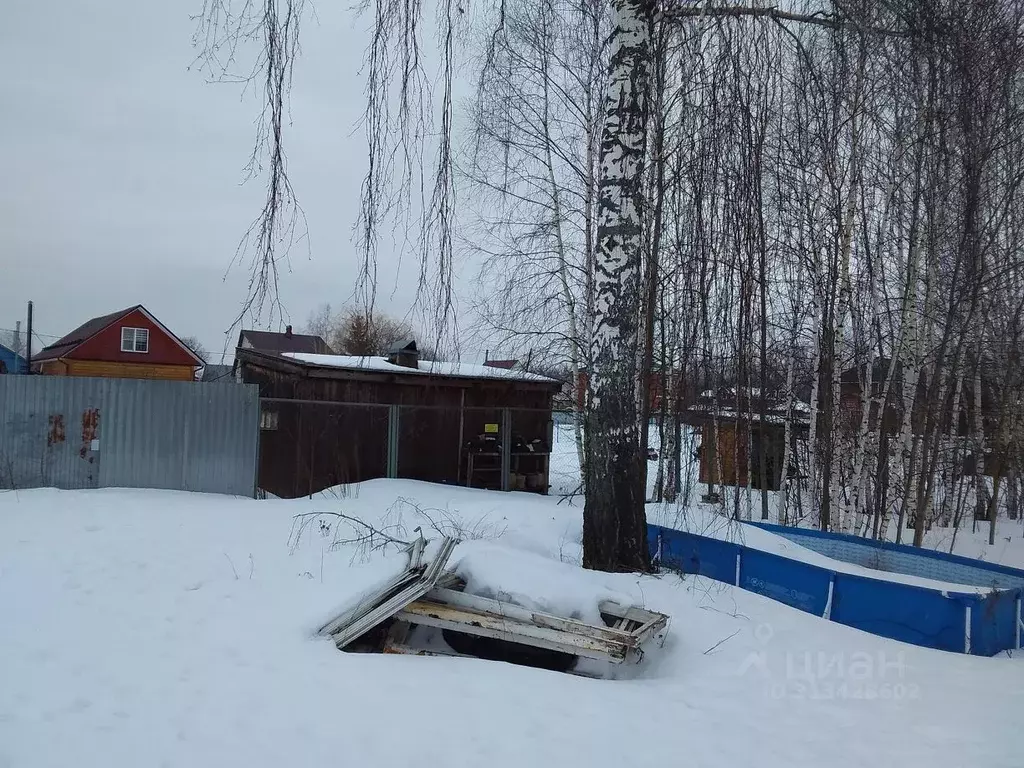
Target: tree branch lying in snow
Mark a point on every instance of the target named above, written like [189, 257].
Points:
[728, 637]
[366, 537]
[447, 523]
[393, 529]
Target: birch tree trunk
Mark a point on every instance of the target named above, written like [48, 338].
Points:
[790, 395]
[614, 524]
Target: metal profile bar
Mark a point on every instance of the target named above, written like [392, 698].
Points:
[337, 403]
[633, 613]
[516, 613]
[419, 406]
[1020, 622]
[506, 449]
[462, 436]
[386, 602]
[644, 631]
[369, 605]
[392, 460]
[434, 570]
[648, 622]
[480, 624]
[416, 553]
[827, 613]
[967, 629]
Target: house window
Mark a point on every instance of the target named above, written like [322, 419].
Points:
[268, 419]
[135, 340]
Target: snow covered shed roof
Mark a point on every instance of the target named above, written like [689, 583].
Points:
[721, 404]
[426, 368]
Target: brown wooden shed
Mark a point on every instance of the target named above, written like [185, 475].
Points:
[732, 439]
[327, 420]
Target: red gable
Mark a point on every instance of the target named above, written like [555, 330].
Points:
[105, 344]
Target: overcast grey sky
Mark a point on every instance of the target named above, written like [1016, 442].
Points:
[121, 169]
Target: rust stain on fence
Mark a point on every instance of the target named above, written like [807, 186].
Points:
[56, 432]
[90, 429]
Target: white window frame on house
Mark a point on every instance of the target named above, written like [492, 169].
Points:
[135, 340]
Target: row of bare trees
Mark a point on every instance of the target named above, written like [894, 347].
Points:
[830, 212]
[353, 331]
[814, 201]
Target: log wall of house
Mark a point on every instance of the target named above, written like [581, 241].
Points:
[105, 370]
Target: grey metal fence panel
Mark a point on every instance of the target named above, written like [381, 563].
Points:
[68, 432]
[220, 422]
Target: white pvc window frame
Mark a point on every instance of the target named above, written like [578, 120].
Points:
[135, 340]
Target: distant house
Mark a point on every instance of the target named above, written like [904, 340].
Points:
[272, 343]
[11, 361]
[294, 343]
[733, 438]
[507, 365]
[129, 344]
[853, 384]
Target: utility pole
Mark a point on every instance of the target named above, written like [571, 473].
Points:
[28, 341]
[17, 337]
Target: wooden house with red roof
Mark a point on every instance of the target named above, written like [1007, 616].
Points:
[130, 344]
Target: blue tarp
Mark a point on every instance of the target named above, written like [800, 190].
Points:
[900, 611]
[994, 621]
[689, 553]
[792, 582]
[912, 614]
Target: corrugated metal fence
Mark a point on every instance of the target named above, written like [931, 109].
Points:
[67, 432]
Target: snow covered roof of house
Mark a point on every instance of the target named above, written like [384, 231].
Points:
[722, 404]
[426, 367]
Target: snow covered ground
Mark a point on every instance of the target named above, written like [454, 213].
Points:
[150, 628]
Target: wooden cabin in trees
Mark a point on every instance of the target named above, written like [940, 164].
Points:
[734, 433]
[956, 416]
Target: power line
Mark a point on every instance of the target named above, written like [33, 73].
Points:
[35, 333]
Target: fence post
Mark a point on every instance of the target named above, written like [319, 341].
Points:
[506, 448]
[1020, 623]
[657, 558]
[827, 615]
[393, 416]
[739, 558]
[259, 446]
[967, 628]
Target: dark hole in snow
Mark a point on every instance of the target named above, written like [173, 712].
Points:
[513, 653]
